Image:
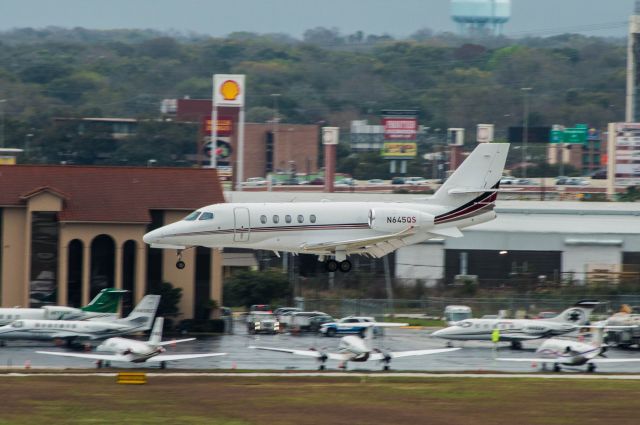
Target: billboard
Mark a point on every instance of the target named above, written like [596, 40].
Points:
[400, 134]
[624, 153]
[399, 150]
[224, 127]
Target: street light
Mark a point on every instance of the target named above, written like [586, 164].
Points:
[525, 127]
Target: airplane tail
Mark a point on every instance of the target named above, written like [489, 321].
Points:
[143, 314]
[156, 333]
[107, 301]
[577, 315]
[476, 180]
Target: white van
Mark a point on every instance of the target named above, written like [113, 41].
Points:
[456, 313]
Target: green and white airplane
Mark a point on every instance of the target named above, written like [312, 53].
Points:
[103, 306]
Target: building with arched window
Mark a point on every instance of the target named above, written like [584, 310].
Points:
[69, 231]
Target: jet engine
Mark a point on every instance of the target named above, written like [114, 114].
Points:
[398, 219]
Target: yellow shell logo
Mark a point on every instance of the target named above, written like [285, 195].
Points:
[230, 90]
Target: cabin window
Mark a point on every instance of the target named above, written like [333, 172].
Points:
[194, 215]
[287, 218]
[276, 219]
[16, 324]
[206, 216]
[263, 219]
[300, 218]
[312, 218]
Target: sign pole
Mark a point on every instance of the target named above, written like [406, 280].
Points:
[214, 130]
[240, 173]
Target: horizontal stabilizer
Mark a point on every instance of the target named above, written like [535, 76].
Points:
[449, 232]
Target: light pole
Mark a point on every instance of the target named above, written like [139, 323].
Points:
[2, 101]
[525, 127]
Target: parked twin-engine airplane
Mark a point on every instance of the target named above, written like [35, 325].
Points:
[72, 331]
[352, 348]
[130, 350]
[104, 306]
[570, 353]
[518, 330]
[334, 230]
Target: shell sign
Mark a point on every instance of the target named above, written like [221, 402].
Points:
[228, 90]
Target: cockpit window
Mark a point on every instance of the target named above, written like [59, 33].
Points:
[206, 216]
[464, 324]
[194, 215]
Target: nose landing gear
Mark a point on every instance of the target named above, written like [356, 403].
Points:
[180, 264]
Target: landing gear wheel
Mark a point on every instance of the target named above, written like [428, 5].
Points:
[331, 265]
[331, 332]
[321, 367]
[516, 345]
[386, 367]
[180, 264]
[556, 367]
[345, 266]
[591, 367]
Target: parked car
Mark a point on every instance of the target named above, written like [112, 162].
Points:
[576, 181]
[398, 180]
[416, 181]
[318, 181]
[346, 182]
[599, 174]
[508, 180]
[260, 307]
[375, 182]
[255, 181]
[316, 322]
[262, 322]
[301, 320]
[348, 325]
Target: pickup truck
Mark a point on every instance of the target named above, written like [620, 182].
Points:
[262, 322]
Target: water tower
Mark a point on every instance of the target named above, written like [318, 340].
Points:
[480, 16]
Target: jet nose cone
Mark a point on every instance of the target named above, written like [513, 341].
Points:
[152, 237]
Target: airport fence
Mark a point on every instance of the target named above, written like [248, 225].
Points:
[513, 306]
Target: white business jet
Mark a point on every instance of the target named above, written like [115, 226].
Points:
[518, 330]
[104, 306]
[72, 331]
[570, 353]
[352, 348]
[130, 350]
[334, 230]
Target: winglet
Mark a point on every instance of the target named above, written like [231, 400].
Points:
[449, 232]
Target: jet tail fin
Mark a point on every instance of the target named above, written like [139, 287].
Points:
[156, 332]
[480, 172]
[143, 314]
[107, 301]
[577, 315]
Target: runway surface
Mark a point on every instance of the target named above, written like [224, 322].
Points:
[473, 357]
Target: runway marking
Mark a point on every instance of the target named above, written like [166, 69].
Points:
[634, 377]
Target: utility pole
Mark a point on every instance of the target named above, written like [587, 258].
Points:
[525, 128]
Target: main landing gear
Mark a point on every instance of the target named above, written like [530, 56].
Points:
[333, 265]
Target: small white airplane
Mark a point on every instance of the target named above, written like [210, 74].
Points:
[72, 331]
[130, 350]
[571, 353]
[518, 330]
[103, 306]
[334, 230]
[352, 348]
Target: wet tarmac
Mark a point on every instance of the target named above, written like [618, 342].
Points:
[474, 356]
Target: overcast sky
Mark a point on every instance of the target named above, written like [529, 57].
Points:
[398, 18]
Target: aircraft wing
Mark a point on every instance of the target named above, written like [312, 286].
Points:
[308, 353]
[75, 335]
[377, 246]
[607, 360]
[398, 354]
[169, 357]
[529, 360]
[105, 357]
[175, 341]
